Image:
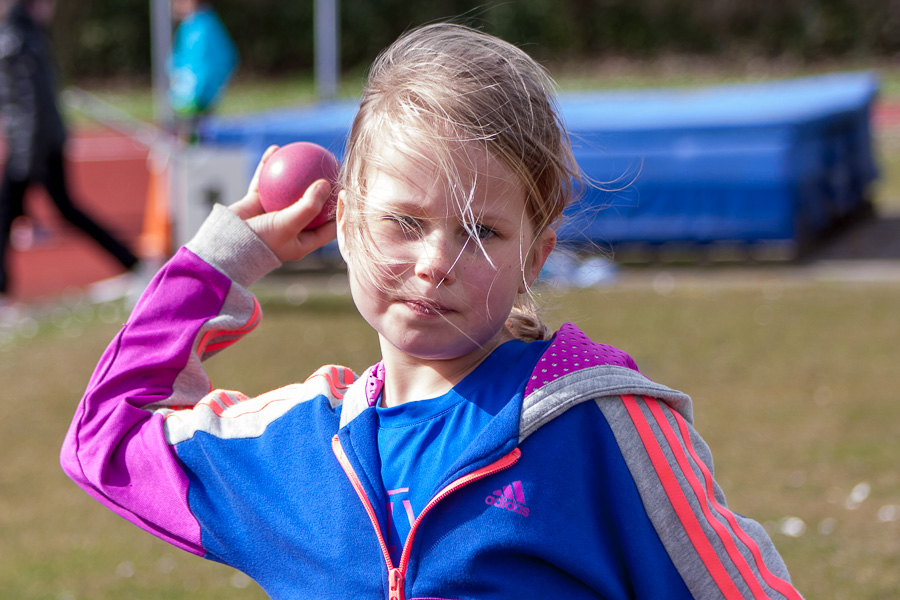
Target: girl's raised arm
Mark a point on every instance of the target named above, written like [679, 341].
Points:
[117, 447]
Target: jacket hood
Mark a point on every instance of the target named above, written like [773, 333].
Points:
[574, 369]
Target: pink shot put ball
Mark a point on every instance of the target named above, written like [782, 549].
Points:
[287, 174]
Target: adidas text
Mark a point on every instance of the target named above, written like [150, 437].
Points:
[508, 504]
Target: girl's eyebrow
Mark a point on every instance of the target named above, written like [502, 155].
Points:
[494, 217]
[394, 206]
[413, 208]
[497, 216]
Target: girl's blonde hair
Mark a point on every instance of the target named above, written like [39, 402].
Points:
[443, 85]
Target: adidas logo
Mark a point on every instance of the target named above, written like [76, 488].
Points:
[511, 497]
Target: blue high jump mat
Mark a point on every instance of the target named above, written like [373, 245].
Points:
[777, 162]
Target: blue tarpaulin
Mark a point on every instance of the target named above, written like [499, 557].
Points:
[778, 161]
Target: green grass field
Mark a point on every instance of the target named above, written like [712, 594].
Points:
[794, 384]
[794, 388]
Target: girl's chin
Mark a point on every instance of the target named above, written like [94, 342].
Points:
[431, 347]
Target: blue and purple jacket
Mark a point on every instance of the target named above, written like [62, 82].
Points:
[591, 484]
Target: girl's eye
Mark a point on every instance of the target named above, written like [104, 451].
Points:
[480, 231]
[407, 224]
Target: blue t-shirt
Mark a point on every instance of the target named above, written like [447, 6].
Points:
[419, 441]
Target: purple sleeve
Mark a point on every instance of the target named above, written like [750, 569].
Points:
[116, 450]
[116, 447]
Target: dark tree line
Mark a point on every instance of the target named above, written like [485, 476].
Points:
[110, 38]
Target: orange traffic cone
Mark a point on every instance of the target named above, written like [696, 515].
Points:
[155, 241]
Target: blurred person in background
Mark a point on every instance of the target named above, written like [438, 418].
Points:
[202, 62]
[35, 132]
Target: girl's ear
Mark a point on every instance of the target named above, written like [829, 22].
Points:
[536, 258]
[340, 214]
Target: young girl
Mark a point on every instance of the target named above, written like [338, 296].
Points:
[482, 457]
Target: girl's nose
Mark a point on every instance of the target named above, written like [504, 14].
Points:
[437, 259]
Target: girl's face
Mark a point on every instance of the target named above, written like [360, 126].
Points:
[445, 285]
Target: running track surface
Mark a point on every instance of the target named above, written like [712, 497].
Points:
[108, 178]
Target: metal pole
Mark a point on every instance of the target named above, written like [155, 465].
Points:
[327, 37]
[161, 45]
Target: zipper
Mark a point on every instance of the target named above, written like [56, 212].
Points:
[357, 485]
[397, 575]
[396, 584]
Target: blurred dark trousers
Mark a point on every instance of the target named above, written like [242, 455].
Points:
[53, 178]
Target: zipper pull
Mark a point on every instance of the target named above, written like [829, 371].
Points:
[395, 581]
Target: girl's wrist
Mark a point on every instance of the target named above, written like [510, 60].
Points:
[228, 243]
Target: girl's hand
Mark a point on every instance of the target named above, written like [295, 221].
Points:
[282, 230]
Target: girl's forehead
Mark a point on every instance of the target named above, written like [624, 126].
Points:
[465, 168]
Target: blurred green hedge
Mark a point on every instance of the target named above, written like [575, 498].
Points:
[108, 38]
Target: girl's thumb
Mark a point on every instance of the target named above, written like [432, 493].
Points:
[311, 204]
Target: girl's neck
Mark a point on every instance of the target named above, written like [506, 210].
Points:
[408, 378]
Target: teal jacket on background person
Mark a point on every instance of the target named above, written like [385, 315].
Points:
[202, 62]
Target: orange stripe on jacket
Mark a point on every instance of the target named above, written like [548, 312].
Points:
[206, 342]
[680, 503]
[775, 582]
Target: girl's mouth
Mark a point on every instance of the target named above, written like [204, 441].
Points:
[426, 308]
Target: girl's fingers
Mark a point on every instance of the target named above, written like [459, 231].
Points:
[300, 213]
[295, 241]
[308, 241]
[284, 232]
